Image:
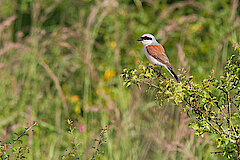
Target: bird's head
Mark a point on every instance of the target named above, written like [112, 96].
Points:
[147, 39]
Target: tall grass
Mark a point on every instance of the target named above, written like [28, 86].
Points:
[61, 59]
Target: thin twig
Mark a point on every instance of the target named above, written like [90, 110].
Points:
[74, 142]
[25, 131]
[221, 152]
[70, 152]
[70, 123]
[100, 142]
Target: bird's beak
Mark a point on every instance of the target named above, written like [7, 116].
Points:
[139, 39]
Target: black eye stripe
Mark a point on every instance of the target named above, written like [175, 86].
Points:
[146, 38]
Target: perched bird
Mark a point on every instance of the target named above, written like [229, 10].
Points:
[155, 53]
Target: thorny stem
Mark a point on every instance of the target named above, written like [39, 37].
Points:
[151, 84]
[99, 142]
[25, 131]
[213, 126]
[19, 153]
[70, 123]
[229, 117]
[70, 152]
[229, 114]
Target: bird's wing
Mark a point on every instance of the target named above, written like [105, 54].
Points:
[157, 52]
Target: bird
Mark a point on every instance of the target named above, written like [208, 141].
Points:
[155, 53]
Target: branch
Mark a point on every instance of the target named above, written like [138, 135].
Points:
[100, 142]
[25, 131]
[70, 123]
[70, 152]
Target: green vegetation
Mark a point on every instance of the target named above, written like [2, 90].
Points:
[212, 105]
[62, 59]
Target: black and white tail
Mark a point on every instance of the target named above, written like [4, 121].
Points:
[170, 69]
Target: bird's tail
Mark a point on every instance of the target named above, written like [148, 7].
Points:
[170, 69]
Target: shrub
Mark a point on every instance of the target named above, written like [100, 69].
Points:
[213, 104]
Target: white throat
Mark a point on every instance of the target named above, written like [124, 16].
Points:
[147, 42]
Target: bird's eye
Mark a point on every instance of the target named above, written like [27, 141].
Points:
[147, 38]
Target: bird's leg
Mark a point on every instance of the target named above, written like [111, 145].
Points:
[160, 69]
[159, 73]
[150, 67]
[153, 68]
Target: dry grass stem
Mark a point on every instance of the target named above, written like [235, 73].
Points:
[56, 81]
[7, 23]
[9, 46]
[181, 56]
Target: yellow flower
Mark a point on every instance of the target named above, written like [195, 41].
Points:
[74, 99]
[109, 74]
[196, 27]
[77, 109]
[98, 91]
[113, 44]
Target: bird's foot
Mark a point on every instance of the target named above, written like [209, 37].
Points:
[151, 67]
[159, 74]
[160, 69]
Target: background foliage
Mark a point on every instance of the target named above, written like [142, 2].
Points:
[61, 59]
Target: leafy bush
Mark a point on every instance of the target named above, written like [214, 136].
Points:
[213, 104]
